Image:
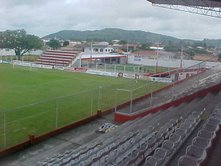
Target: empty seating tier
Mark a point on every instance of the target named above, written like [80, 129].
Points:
[153, 140]
[57, 57]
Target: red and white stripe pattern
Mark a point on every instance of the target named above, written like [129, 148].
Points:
[57, 57]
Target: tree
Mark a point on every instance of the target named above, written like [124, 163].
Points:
[66, 43]
[123, 42]
[54, 44]
[20, 41]
[146, 46]
[219, 56]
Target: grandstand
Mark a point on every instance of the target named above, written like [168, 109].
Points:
[57, 57]
[77, 58]
[154, 140]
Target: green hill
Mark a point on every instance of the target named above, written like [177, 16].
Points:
[213, 42]
[110, 34]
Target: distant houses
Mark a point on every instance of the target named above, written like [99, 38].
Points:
[153, 54]
[102, 47]
[206, 57]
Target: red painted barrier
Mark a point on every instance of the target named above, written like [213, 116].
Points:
[36, 139]
[157, 91]
[121, 117]
[147, 95]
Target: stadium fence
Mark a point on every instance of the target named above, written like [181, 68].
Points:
[39, 118]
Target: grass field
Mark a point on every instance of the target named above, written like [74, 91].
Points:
[37, 101]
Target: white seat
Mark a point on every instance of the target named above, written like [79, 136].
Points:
[150, 161]
[187, 161]
[201, 142]
[196, 152]
[206, 134]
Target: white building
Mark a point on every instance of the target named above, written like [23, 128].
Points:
[74, 43]
[156, 48]
[98, 48]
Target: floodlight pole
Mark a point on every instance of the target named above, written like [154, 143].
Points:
[181, 58]
[91, 54]
[156, 60]
[80, 61]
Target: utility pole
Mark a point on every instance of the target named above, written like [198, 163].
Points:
[91, 54]
[181, 58]
[157, 58]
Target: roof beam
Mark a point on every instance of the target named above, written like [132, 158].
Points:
[193, 3]
[210, 8]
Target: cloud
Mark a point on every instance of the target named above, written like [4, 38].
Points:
[47, 16]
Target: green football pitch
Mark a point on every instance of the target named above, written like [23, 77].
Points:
[36, 101]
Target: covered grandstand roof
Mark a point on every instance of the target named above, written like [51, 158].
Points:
[210, 8]
[100, 56]
[202, 3]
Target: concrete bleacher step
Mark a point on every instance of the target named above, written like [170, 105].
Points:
[53, 61]
[61, 51]
[57, 57]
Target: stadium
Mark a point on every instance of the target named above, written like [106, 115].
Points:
[134, 114]
[82, 109]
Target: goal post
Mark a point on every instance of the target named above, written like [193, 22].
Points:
[123, 95]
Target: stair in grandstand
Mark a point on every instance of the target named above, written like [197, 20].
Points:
[57, 57]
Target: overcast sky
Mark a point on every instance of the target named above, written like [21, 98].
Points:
[42, 17]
